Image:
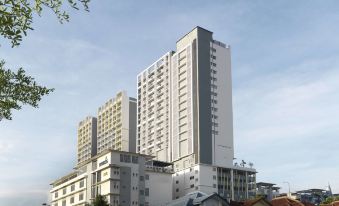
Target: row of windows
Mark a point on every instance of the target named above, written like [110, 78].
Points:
[128, 158]
[71, 200]
[64, 190]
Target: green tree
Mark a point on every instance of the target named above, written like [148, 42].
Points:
[328, 200]
[99, 201]
[16, 18]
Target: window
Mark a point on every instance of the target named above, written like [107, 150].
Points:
[141, 192]
[72, 187]
[64, 203]
[214, 177]
[71, 200]
[147, 177]
[191, 177]
[146, 191]
[141, 178]
[64, 191]
[177, 190]
[81, 184]
[127, 158]
[192, 186]
[177, 182]
[214, 169]
[56, 204]
[134, 159]
[121, 158]
[214, 186]
[81, 196]
[56, 194]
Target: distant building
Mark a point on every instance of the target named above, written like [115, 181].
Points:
[87, 139]
[313, 196]
[124, 178]
[267, 190]
[199, 199]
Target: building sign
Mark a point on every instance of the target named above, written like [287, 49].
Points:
[103, 162]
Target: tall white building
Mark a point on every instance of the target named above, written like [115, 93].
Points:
[87, 139]
[185, 116]
[185, 103]
[117, 124]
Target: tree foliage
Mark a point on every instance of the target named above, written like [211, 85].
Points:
[17, 87]
[99, 201]
[16, 16]
[16, 19]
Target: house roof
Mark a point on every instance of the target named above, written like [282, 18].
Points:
[250, 202]
[195, 198]
[285, 201]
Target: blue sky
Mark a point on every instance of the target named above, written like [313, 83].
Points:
[285, 84]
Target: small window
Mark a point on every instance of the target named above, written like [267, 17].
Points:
[134, 159]
[141, 178]
[177, 182]
[147, 177]
[82, 183]
[146, 191]
[71, 200]
[72, 188]
[64, 203]
[214, 186]
[64, 191]
[81, 196]
[56, 194]
[142, 192]
[191, 177]
[214, 177]
[192, 186]
[177, 190]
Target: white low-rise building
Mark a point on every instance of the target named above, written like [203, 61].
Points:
[124, 178]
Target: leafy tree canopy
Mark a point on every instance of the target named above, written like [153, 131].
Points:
[99, 201]
[16, 18]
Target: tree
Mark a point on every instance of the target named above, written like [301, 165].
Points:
[99, 201]
[16, 18]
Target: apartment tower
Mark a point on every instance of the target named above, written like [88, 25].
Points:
[185, 103]
[117, 124]
[87, 139]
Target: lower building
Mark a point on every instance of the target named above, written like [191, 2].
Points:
[232, 183]
[124, 178]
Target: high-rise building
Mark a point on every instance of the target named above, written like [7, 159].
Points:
[117, 124]
[185, 103]
[185, 117]
[87, 139]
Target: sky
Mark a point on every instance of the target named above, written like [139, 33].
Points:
[285, 73]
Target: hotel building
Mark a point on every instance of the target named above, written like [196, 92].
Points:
[117, 124]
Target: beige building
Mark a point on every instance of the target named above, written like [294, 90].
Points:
[87, 139]
[117, 124]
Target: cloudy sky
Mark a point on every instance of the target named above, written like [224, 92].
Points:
[285, 59]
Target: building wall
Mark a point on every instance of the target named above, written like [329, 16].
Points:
[87, 138]
[74, 190]
[159, 186]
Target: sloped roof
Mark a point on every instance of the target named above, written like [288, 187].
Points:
[250, 202]
[194, 198]
[285, 201]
